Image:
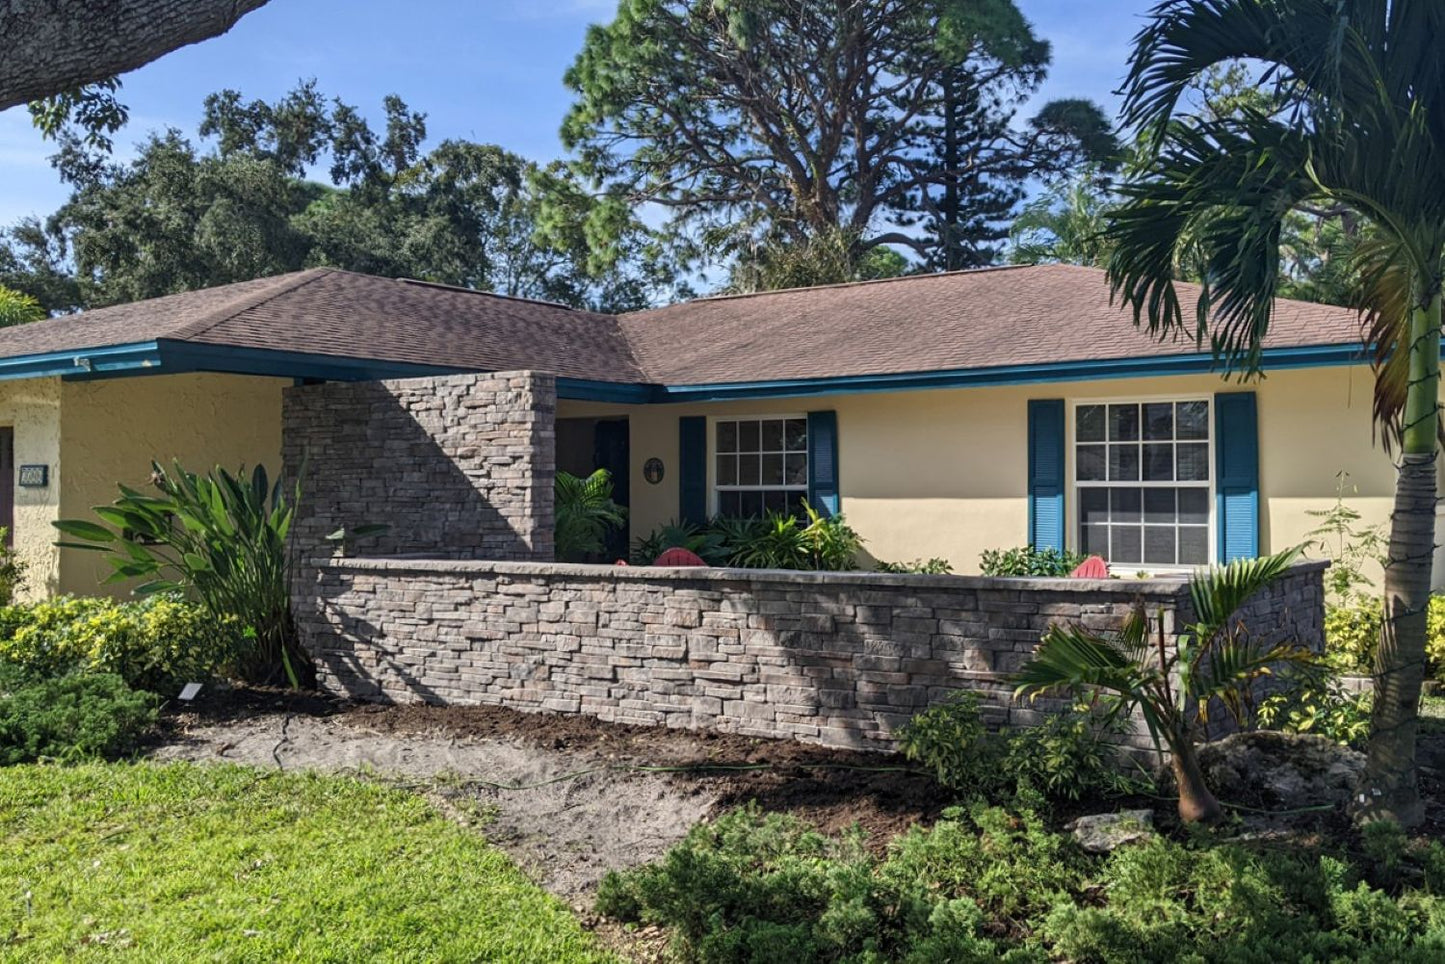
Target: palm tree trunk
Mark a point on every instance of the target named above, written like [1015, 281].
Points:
[1389, 790]
[1196, 803]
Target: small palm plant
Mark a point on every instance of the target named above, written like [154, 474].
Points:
[585, 514]
[1216, 662]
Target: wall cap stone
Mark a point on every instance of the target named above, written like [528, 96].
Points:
[1159, 587]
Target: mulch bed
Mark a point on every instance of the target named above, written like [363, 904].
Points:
[835, 789]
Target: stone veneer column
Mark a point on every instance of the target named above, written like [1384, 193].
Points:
[458, 466]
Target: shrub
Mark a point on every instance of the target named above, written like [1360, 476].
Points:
[923, 567]
[154, 644]
[1323, 707]
[767, 887]
[1029, 561]
[775, 541]
[219, 536]
[990, 884]
[1352, 631]
[69, 717]
[951, 740]
[1065, 757]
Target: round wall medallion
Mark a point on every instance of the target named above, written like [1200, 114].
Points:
[652, 470]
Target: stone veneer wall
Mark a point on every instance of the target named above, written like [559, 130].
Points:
[458, 466]
[834, 658]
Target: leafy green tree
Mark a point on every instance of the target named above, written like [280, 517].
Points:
[789, 119]
[239, 204]
[1362, 129]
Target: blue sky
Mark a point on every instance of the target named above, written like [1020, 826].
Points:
[486, 70]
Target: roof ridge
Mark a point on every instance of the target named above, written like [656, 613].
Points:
[986, 269]
[463, 289]
[230, 309]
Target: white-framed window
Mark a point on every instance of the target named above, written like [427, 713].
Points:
[1143, 481]
[760, 465]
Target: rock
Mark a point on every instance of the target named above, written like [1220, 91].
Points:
[1280, 771]
[1103, 832]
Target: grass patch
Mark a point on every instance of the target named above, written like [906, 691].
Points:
[178, 863]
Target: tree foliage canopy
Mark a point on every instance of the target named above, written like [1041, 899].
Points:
[891, 120]
[239, 202]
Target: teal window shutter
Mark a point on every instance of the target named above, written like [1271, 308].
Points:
[823, 491]
[1046, 473]
[692, 468]
[1236, 487]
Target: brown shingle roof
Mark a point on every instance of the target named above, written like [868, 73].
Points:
[977, 319]
[973, 319]
[326, 311]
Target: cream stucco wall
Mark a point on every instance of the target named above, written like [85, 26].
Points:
[944, 472]
[112, 429]
[32, 408]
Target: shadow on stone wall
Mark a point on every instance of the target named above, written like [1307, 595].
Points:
[458, 467]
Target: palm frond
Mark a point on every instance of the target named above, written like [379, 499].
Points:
[1217, 593]
[1217, 194]
[1183, 39]
[1074, 658]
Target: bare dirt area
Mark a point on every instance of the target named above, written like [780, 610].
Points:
[568, 797]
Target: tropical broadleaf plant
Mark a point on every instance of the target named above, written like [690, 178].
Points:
[1214, 662]
[1356, 127]
[585, 514]
[221, 538]
[18, 308]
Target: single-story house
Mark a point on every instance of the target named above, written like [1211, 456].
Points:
[942, 414]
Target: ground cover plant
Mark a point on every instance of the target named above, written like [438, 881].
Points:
[993, 884]
[71, 716]
[154, 863]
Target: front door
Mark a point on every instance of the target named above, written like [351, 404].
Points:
[611, 450]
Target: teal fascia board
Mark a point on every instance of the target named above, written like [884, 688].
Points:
[182, 356]
[167, 357]
[624, 393]
[133, 358]
[1313, 356]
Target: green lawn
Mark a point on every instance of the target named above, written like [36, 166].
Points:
[183, 863]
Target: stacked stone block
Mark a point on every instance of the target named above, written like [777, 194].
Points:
[457, 466]
[839, 659]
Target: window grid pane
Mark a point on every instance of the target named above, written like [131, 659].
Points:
[760, 466]
[1142, 474]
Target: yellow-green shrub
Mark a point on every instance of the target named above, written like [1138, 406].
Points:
[155, 644]
[1353, 629]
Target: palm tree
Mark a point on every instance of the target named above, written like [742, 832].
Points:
[1214, 663]
[1360, 129]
